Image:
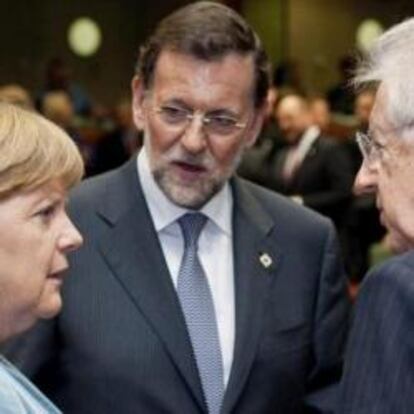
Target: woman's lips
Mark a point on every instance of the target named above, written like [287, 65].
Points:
[57, 276]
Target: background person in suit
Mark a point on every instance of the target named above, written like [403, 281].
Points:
[379, 372]
[311, 169]
[252, 317]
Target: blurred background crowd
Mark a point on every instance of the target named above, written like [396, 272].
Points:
[307, 148]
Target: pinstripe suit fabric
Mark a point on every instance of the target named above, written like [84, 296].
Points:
[379, 367]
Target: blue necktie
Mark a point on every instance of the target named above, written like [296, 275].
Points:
[198, 308]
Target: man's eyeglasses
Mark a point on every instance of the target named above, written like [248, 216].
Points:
[371, 150]
[180, 118]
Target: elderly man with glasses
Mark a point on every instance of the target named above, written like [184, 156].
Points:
[196, 292]
[379, 369]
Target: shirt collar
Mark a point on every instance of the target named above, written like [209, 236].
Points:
[164, 212]
[309, 136]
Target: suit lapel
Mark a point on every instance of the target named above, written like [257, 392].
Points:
[255, 261]
[132, 250]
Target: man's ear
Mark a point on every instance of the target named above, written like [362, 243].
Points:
[255, 126]
[138, 92]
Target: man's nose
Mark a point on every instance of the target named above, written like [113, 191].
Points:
[194, 136]
[366, 180]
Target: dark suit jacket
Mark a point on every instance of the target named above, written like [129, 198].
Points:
[379, 368]
[324, 179]
[121, 345]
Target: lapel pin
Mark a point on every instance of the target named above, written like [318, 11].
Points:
[265, 260]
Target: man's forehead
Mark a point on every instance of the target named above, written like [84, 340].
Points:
[231, 76]
[168, 57]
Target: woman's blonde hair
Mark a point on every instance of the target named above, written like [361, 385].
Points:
[34, 151]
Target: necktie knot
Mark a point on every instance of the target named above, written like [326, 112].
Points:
[191, 225]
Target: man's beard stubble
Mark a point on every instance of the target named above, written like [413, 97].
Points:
[191, 196]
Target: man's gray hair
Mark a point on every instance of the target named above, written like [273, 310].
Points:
[390, 62]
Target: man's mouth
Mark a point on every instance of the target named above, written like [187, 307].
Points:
[189, 169]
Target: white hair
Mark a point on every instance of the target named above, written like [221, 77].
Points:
[390, 62]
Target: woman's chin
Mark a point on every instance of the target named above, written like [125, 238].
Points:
[50, 306]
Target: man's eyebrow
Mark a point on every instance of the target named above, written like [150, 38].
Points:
[374, 129]
[222, 112]
[176, 102]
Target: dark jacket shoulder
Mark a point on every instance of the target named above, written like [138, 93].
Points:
[395, 274]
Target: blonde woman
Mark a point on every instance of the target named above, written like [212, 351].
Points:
[38, 164]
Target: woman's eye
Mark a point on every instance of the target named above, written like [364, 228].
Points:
[46, 213]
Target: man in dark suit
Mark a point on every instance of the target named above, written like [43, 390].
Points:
[379, 370]
[312, 169]
[196, 292]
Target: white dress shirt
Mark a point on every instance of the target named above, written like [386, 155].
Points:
[215, 249]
